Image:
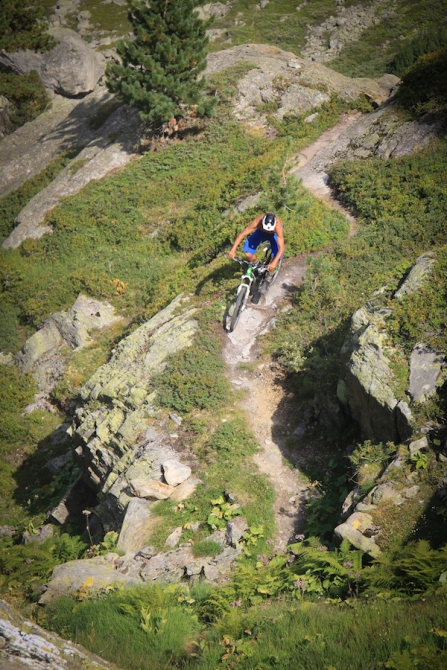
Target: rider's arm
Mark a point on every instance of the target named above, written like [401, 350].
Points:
[280, 238]
[247, 231]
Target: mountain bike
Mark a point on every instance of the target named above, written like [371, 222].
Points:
[255, 281]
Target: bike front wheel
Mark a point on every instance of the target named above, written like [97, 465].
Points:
[275, 274]
[238, 306]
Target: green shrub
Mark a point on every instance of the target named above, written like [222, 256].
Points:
[414, 568]
[428, 41]
[193, 378]
[27, 95]
[424, 86]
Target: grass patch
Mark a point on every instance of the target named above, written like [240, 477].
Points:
[206, 548]
[224, 628]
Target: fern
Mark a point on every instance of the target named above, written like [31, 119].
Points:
[414, 569]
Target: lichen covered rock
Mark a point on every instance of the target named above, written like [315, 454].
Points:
[116, 438]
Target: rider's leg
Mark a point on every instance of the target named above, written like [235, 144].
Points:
[251, 244]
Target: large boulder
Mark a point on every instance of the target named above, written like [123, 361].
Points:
[71, 68]
[88, 575]
[369, 382]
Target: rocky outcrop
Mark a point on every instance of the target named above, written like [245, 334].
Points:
[100, 157]
[217, 9]
[71, 68]
[395, 486]
[24, 644]
[146, 566]
[118, 439]
[368, 393]
[295, 84]
[326, 41]
[368, 389]
[43, 356]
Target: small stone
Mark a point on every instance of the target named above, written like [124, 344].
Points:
[174, 472]
[185, 490]
[150, 488]
[174, 537]
[176, 418]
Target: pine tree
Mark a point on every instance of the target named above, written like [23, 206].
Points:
[160, 66]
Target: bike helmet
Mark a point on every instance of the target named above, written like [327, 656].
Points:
[269, 222]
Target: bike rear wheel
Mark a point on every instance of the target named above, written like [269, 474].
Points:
[238, 306]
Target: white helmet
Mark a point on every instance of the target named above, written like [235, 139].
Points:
[269, 222]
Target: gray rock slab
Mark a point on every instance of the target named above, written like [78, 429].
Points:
[113, 146]
[425, 370]
[169, 566]
[357, 539]
[418, 445]
[174, 538]
[235, 530]
[138, 525]
[417, 276]
[41, 354]
[385, 492]
[404, 420]
[91, 574]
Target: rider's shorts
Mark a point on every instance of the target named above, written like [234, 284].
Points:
[258, 237]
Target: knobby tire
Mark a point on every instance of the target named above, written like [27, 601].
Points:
[275, 274]
[238, 306]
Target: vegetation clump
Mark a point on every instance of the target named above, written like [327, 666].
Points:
[26, 95]
[22, 26]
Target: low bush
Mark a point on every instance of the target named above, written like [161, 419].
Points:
[424, 86]
[23, 26]
[193, 379]
[26, 94]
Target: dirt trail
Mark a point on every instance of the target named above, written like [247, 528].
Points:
[316, 180]
[272, 411]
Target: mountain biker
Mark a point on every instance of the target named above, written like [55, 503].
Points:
[265, 228]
